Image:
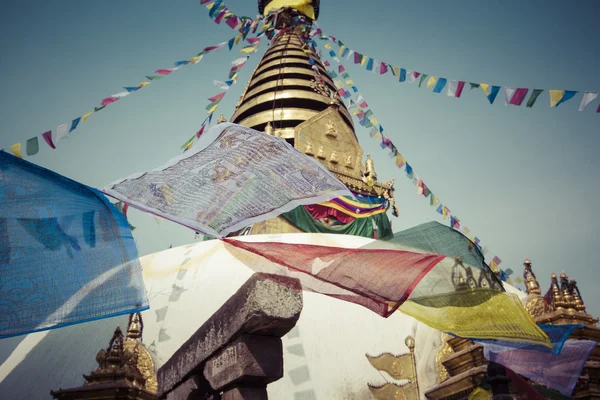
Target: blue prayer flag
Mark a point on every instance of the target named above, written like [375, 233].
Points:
[74, 124]
[67, 255]
[402, 77]
[439, 86]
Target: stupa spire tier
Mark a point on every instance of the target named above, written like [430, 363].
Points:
[289, 86]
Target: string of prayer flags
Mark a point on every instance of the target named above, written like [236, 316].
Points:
[215, 100]
[63, 131]
[219, 13]
[367, 119]
[514, 97]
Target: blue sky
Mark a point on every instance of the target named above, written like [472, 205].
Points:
[525, 181]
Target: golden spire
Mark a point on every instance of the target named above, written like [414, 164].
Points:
[577, 300]
[532, 285]
[135, 326]
[221, 119]
[369, 174]
[287, 88]
[557, 299]
[566, 293]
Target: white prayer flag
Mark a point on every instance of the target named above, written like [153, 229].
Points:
[587, 98]
[62, 132]
[452, 86]
[410, 76]
[221, 85]
[508, 94]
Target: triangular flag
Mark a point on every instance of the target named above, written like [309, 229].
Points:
[74, 124]
[216, 97]
[508, 94]
[555, 97]
[518, 96]
[62, 132]
[431, 81]
[473, 85]
[439, 86]
[222, 85]
[587, 98]
[16, 149]
[568, 95]
[490, 91]
[86, 115]
[533, 97]
[32, 146]
[213, 108]
[48, 138]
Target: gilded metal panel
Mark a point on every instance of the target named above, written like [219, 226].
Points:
[278, 95]
[281, 62]
[280, 115]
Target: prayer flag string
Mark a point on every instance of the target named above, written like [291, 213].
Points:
[359, 107]
[215, 100]
[64, 130]
[454, 88]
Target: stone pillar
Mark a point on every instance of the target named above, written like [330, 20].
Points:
[238, 351]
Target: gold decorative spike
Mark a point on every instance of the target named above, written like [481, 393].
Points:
[330, 132]
[577, 300]
[531, 283]
[392, 391]
[269, 129]
[368, 173]
[135, 326]
[398, 367]
[557, 299]
[566, 295]
[334, 158]
[308, 149]
[321, 153]
[221, 119]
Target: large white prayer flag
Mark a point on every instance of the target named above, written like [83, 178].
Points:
[233, 177]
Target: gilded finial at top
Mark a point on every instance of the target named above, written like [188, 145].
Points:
[532, 285]
[221, 119]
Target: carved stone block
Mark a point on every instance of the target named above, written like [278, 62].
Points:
[266, 305]
[252, 360]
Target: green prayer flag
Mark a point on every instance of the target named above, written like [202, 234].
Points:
[211, 105]
[423, 76]
[534, 96]
[345, 75]
[186, 144]
[474, 85]
[32, 146]
[153, 77]
[332, 74]
[431, 198]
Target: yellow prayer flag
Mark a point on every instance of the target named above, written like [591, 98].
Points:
[501, 316]
[248, 50]
[227, 15]
[555, 96]
[485, 87]
[85, 116]
[396, 70]
[16, 149]
[374, 120]
[431, 81]
[142, 84]
[349, 82]
[210, 5]
[399, 159]
[189, 144]
[213, 108]
[436, 201]
[196, 59]
[328, 46]
[364, 60]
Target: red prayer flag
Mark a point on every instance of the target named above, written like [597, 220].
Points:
[200, 131]
[48, 138]
[518, 96]
[378, 279]
[109, 100]
[232, 21]
[216, 97]
[204, 1]
[459, 88]
[383, 68]
[341, 68]
[253, 40]
[357, 58]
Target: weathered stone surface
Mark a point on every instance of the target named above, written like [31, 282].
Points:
[266, 305]
[194, 388]
[252, 360]
[246, 393]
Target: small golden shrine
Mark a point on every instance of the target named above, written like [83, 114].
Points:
[125, 369]
[462, 366]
